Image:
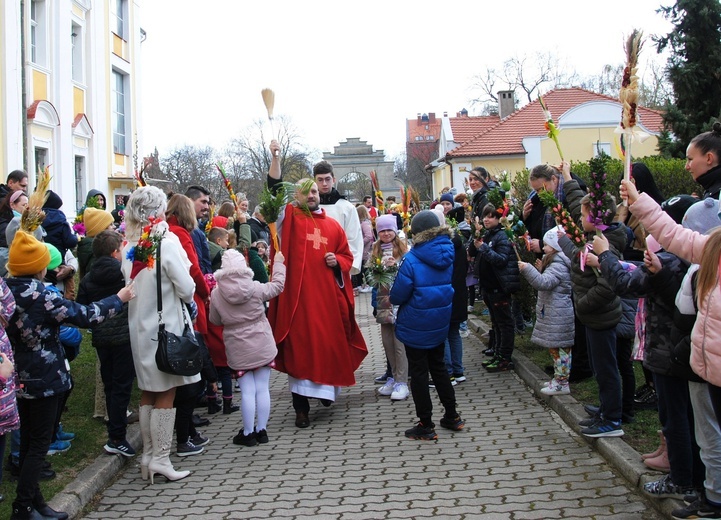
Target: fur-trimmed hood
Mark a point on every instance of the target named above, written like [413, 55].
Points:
[238, 284]
[429, 234]
[434, 248]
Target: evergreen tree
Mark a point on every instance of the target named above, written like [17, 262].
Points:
[694, 70]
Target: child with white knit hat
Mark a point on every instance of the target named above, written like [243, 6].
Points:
[554, 328]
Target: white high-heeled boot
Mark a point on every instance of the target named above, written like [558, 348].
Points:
[144, 420]
[162, 421]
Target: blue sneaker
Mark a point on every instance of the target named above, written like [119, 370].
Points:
[58, 447]
[603, 428]
[63, 435]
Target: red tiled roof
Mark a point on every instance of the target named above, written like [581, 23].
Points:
[506, 137]
[465, 128]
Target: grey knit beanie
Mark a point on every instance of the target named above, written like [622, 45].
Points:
[702, 216]
[424, 220]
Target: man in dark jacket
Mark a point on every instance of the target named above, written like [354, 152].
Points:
[258, 228]
[17, 180]
[111, 338]
[201, 200]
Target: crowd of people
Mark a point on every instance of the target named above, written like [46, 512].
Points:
[645, 289]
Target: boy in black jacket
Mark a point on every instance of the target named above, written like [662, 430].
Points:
[497, 271]
[111, 338]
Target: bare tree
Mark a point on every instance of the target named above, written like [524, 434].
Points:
[529, 74]
[355, 186]
[247, 158]
[186, 166]
[410, 170]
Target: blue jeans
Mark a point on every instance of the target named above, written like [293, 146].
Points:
[453, 354]
[602, 354]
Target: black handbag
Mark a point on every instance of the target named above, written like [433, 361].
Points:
[177, 355]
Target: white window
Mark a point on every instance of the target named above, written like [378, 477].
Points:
[121, 16]
[119, 113]
[76, 35]
[79, 181]
[38, 32]
[599, 148]
[41, 159]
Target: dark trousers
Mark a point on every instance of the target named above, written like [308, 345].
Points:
[420, 362]
[676, 416]
[624, 349]
[118, 373]
[499, 309]
[581, 364]
[61, 408]
[715, 393]
[300, 403]
[471, 295]
[185, 399]
[37, 417]
[602, 353]
[224, 376]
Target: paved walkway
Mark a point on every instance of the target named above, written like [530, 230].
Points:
[516, 459]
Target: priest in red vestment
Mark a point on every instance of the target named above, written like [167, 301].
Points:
[319, 343]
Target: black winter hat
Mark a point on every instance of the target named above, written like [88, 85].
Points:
[677, 205]
[53, 201]
[424, 220]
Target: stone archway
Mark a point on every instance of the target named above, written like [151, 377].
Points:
[353, 161]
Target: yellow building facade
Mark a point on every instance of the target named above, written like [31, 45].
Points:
[69, 96]
[588, 124]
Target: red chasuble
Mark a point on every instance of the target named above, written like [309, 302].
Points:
[313, 319]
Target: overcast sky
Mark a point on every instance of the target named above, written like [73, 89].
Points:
[358, 69]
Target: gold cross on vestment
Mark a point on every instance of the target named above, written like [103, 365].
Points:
[316, 238]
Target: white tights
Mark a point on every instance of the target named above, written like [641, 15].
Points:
[255, 397]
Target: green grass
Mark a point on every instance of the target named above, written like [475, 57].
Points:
[641, 434]
[90, 433]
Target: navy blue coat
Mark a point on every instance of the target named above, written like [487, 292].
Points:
[423, 290]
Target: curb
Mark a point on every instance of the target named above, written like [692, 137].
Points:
[95, 478]
[614, 450]
[76, 496]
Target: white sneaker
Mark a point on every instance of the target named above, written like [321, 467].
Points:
[387, 389]
[471, 308]
[464, 333]
[547, 384]
[400, 392]
[555, 388]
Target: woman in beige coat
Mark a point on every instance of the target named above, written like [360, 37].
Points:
[156, 413]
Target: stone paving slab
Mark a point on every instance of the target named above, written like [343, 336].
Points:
[516, 459]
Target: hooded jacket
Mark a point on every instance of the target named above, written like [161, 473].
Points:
[40, 360]
[104, 279]
[95, 193]
[554, 326]
[597, 305]
[56, 226]
[659, 291]
[238, 304]
[423, 290]
[495, 265]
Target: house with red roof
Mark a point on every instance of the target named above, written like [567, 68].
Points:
[518, 139]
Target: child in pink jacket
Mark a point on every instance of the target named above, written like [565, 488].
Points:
[237, 303]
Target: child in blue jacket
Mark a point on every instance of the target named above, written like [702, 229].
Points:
[423, 291]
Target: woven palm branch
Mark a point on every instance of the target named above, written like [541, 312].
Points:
[34, 215]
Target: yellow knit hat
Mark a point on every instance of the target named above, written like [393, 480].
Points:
[27, 255]
[96, 220]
